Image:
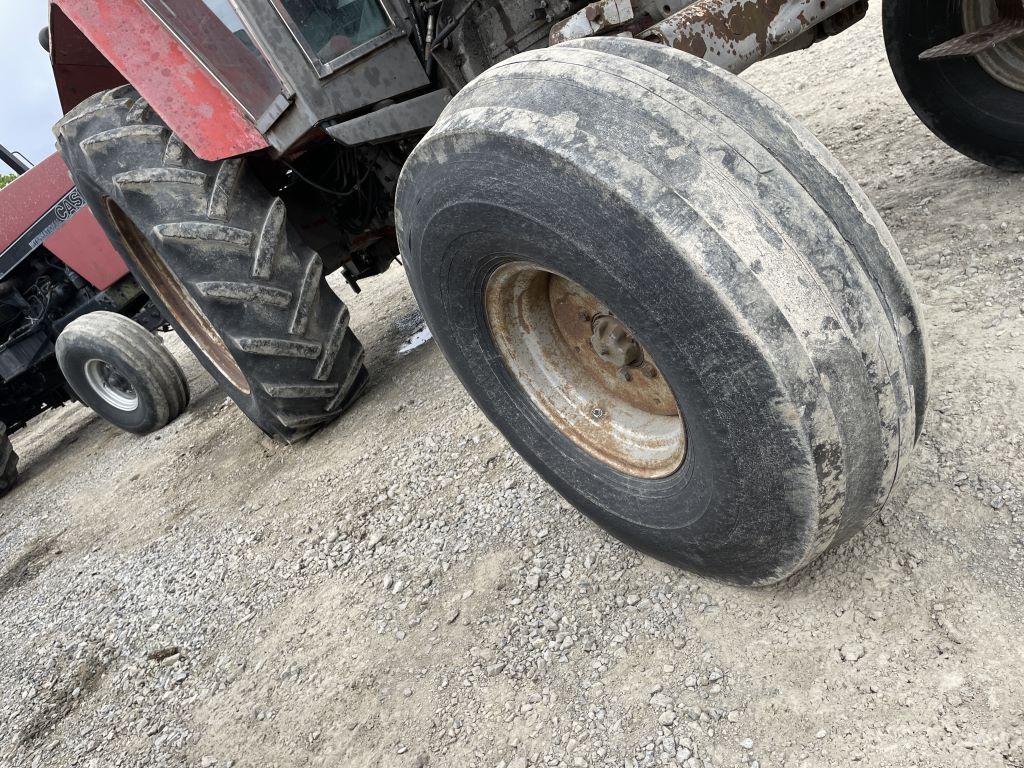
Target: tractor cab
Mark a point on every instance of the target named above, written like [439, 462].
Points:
[273, 72]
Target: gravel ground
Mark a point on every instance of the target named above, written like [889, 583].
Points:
[401, 590]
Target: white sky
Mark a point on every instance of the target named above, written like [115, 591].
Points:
[28, 97]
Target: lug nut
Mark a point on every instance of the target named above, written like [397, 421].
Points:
[598, 413]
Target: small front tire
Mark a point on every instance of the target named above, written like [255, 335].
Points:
[123, 372]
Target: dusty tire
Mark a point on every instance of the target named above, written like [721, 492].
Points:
[959, 99]
[8, 462]
[761, 284]
[122, 371]
[213, 248]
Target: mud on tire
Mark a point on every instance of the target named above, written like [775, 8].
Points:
[213, 248]
[749, 266]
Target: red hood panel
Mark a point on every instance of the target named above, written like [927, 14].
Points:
[66, 226]
[30, 196]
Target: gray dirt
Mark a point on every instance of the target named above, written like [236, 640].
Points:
[401, 590]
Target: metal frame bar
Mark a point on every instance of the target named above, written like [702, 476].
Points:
[737, 33]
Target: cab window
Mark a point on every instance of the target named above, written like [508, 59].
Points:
[328, 29]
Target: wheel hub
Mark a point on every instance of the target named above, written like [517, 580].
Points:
[111, 386]
[585, 370]
[613, 343]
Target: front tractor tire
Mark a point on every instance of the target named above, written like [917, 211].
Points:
[213, 248]
[672, 301]
[122, 371]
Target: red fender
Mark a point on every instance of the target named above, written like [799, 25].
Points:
[98, 44]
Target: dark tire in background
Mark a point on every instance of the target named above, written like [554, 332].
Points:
[122, 371]
[8, 462]
[586, 234]
[975, 104]
[212, 247]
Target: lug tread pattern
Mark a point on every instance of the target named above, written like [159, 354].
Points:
[223, 188]
[279, 347]
[307, 294]
[123, 134]
[174, 153]
[325, 366]
[240, 293]
[145, 176]
[139, 112]
[263, 292]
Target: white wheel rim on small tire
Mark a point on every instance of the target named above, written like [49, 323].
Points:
[111, 386]
[1003, 62]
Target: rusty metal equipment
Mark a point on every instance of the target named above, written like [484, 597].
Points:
[734, 34]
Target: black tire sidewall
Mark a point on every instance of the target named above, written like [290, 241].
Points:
[742, 454]
[146, 416]
[956, 98]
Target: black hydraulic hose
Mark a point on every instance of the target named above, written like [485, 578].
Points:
[24, 333]
[420, 22]
[451, 26]
[335, 192]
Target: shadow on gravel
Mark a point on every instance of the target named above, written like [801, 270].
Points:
[28, 565]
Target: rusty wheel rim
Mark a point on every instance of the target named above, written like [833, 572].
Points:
[185, 312]
[585, 371]
[1003, 62]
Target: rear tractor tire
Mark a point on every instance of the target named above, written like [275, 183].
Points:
[672, 301]
[213, 249]
[122, 371]
[8, 462]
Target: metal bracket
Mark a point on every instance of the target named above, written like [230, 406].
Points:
[595, 19]
[392, 121]
[978, 41]
[277, 108]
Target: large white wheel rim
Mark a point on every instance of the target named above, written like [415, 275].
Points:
[585, 370]
[111, 386]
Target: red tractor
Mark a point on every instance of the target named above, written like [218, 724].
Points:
[668, 295]
[74, 323]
